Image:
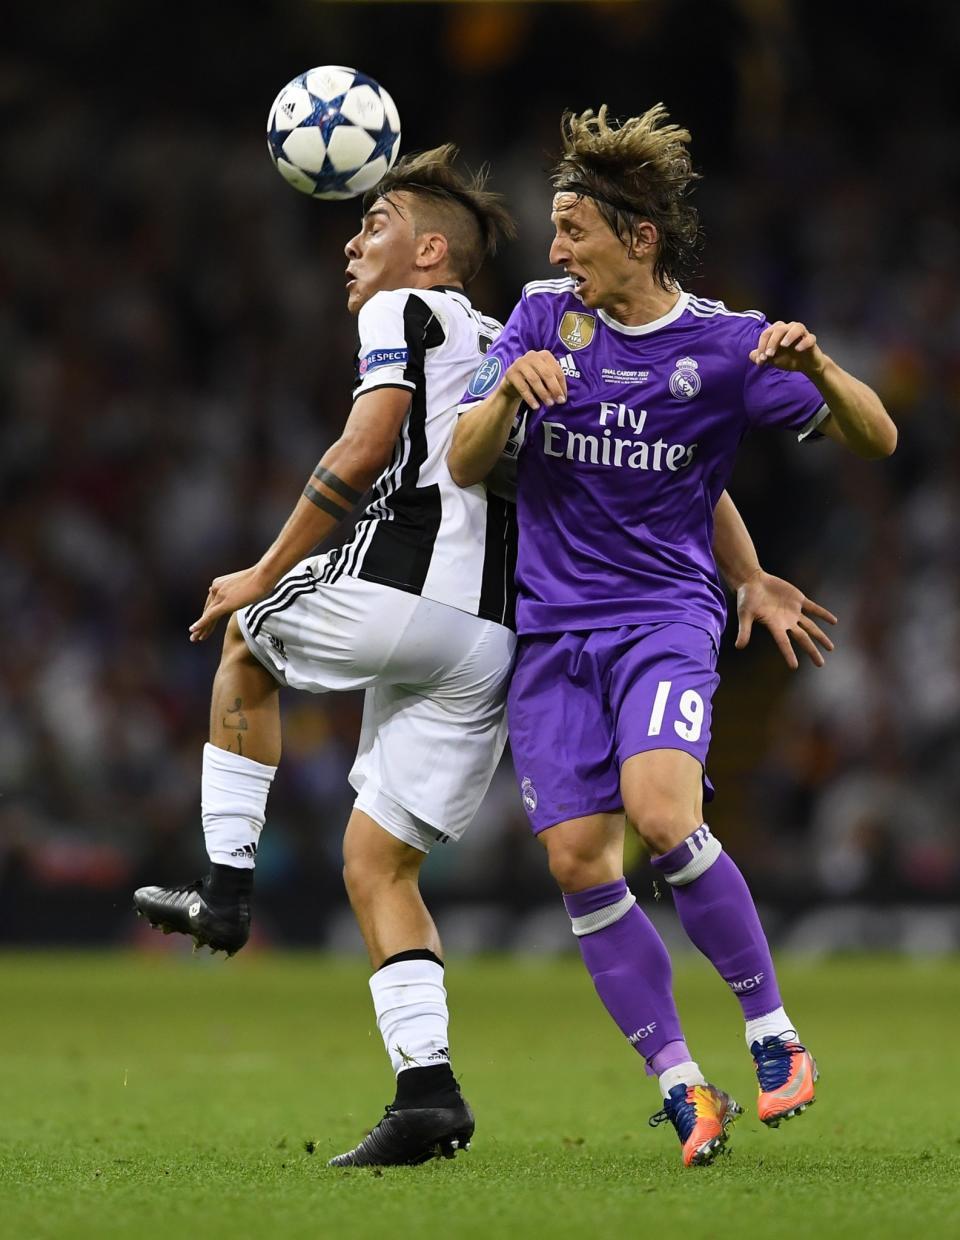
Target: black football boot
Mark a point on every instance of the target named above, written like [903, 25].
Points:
[428, 1118]
[214, 911]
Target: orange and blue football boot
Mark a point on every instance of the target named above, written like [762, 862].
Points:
[787, 1074]
[701, 1114]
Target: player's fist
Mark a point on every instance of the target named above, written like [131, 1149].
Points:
[788, 346]
[536, 379]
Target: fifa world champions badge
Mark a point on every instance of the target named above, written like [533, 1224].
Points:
[576, 329]
[685, 380]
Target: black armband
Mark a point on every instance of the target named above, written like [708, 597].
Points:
[330, 480]
[321, 501]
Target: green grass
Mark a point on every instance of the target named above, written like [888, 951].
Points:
[171, 1097]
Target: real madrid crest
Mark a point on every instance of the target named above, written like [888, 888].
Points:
[576, 329]
[685, 380]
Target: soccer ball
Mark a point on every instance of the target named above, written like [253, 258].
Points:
[333, 132]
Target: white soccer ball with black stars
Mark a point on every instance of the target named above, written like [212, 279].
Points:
[333, 132]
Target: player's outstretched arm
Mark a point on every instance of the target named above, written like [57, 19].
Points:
[482, 432]
[857, 416]
[345, 471]
[775, 603]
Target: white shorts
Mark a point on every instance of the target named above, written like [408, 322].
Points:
[434, 715]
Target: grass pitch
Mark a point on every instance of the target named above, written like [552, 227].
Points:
[155, 1097]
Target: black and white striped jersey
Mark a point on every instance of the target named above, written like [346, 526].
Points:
[421, 533]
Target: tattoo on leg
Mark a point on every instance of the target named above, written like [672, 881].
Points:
[238, 724]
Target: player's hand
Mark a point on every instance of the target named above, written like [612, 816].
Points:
[787, 613]
[226, 595]
[789, 346]
[536, 379]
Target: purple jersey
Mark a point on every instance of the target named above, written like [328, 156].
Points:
[616, 488]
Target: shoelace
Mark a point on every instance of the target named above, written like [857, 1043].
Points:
[683, 1120]
[196, 885]
[770, 1062]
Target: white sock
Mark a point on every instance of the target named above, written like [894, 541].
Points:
[680, 1074]
[233, 802]
[770, 1026]
[411, 1006]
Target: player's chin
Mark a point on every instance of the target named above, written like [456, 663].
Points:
[355, 297]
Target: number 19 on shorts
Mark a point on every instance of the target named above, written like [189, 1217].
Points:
[690, 708]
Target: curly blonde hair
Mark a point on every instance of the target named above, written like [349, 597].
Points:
[635, 170]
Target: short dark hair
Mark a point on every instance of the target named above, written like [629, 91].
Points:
[636, 170]
[457, 204]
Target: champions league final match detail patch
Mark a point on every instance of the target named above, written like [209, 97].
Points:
[382, 357]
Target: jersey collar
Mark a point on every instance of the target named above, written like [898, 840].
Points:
[450, 288]
[644, 329]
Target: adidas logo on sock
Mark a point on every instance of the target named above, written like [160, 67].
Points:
[569, 367]
[247, 850]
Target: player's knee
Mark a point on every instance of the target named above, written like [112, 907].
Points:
[355, 882]
[575, 868]
[362, 880]
[369, 870]
[662, 824]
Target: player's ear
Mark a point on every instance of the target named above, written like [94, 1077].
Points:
[644, 239]
[432, 250]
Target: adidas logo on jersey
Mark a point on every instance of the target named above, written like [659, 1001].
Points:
[568, 366]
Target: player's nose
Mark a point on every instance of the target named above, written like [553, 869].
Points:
[559, 252]
[352, 248]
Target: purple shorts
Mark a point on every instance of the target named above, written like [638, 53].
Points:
[580, 704]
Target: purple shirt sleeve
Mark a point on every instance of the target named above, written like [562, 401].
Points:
[521, 333]
[779, 399]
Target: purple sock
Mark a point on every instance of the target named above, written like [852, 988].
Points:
[629, 965]
[671, 1055]
[717, 911]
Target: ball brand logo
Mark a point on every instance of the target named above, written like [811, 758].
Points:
[529, 794]
[685, 381]
[643, 1032]
[485, 377]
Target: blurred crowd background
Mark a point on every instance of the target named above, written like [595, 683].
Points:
[175, 356]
